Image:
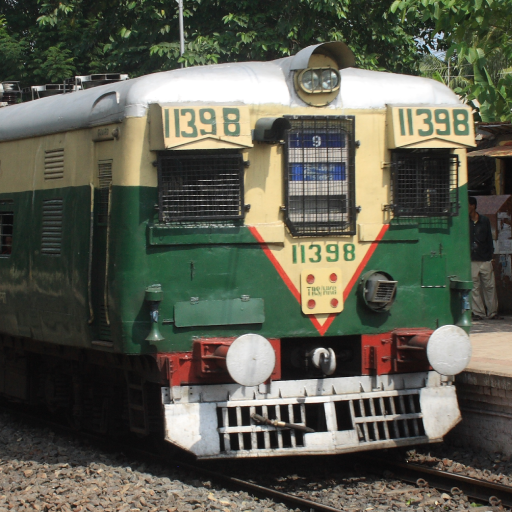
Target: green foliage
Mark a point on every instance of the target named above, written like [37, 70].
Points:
[476, 34]
[12, 50]
[142, 36]
[55, 65]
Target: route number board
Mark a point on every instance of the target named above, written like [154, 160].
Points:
[412, 125]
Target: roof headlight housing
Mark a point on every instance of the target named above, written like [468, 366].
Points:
[319, 80]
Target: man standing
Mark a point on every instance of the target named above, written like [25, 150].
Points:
[485, 299]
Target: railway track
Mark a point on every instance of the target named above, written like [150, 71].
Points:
[479, 490]
[488, 493]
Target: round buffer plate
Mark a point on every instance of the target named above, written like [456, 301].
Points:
[250, 360]
[449, 350]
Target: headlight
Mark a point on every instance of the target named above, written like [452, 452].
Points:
[319, 80]
[329, 79]
[310, 81]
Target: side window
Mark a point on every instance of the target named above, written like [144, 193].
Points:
[319, 175]
[200, 186]
[6, 233]
[424, 183]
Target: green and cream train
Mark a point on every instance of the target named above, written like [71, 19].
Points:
[250, 259]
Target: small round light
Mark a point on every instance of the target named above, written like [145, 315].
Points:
[334, 303]
[311, 304]
[310, 80]
[329, 79]
[310, 279]
[333, 277]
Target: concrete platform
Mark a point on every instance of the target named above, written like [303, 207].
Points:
[484, 389]
[492, 347]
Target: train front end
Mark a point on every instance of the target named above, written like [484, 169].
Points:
[305, 283]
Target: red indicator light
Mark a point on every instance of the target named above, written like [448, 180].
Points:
[334, 303]
[311, 304]
[310, 279]
[333, 277]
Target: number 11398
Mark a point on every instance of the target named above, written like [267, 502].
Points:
[315, 253]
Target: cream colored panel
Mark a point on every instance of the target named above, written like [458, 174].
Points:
[368, 232]
[221, 125]
[273, 232]
[412, 124]
[135, 160]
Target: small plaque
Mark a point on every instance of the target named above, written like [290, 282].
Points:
[321, 291]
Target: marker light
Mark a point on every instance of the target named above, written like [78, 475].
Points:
[310, 279]
[311, 304]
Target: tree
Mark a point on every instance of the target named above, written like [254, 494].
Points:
[141, 36]
[476, 32]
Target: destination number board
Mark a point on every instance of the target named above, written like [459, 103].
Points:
[411, 125]
[185, 124]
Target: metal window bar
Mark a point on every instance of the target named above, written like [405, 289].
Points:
[425, 184]
[200, 187]
[6, 232]
[374, 423]
[225, 421]
[365, 425]
[291, 415]
[319, 179]
[403, 411]
[279, 432]
[384, 413]
[51, 232]
[239, 424]
[254, 436]
[105, 180]
[415, 420]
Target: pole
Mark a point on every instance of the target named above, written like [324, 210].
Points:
[182, 35]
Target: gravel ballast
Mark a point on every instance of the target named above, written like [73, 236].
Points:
[43, 470]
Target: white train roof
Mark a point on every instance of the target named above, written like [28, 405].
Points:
[251, 83]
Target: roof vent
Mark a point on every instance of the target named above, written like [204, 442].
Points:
[9, 93]
[36, 92]
[88, 81]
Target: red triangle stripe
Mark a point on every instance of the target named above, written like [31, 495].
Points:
[322, 329]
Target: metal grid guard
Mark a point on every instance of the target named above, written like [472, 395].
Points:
[200, 187]
[320, 191]
[425, 185]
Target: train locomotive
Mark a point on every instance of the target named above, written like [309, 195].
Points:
[249, 259]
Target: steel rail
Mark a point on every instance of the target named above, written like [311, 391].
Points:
[167, 460]
[266, 491]
[475, 488]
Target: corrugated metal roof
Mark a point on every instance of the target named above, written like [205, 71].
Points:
[494, 152]
[489, 205]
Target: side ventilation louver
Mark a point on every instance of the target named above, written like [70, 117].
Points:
[51, 233]
[105, 180]
[54, 164]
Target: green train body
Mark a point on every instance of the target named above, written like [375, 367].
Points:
[159, 234]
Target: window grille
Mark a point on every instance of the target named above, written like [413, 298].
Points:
[320, 192]
[51, 232]
[54, 164]
[6, 233]
[200, 187]
[105, 180]
[425, 184]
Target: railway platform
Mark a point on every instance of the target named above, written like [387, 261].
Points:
[485, 389]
